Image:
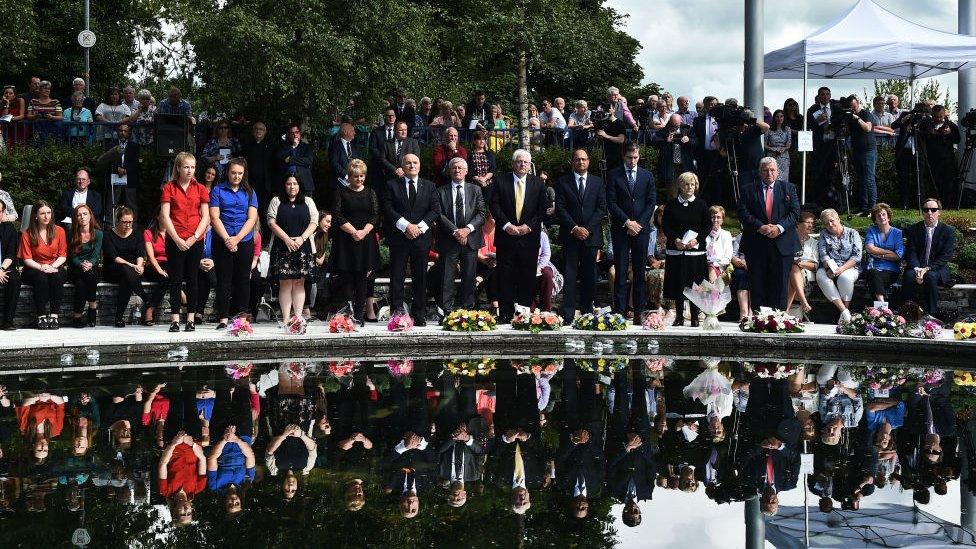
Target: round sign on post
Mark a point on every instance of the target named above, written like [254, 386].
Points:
[86, 38]
[80, 538]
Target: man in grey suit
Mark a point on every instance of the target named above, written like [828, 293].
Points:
[459, 234]
[395, 149]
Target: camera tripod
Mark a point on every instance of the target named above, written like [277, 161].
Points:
[733, 163]
[842, 176]
[965, 164]
[920, 151]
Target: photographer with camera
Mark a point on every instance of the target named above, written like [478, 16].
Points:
[907, 123]
[940, 151]
[612, 133]
[675, 143]
[860, 125]
[741, 131]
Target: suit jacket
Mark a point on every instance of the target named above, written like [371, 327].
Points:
[786, 468]
[261, 173]
[424, 464]
[339, 160]
[471, 468]
[474, 215]
[483, 112]
[786, 212]
[390, 160]
[586, 211]
[624, 205]
[665, 163]
[114, 159]
[534, 458]
[443, 155]
[581, 460]
[9, 242]
[637, 464]
[534, 206]
[300, 163]
[396, 204]
[769, 412]
[943, 248]
[943, 416]
[64, 209]
[406, 114]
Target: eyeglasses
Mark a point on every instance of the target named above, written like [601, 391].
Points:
[930, 210]
[125, 223]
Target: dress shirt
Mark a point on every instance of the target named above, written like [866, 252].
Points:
[79, 198]
[458, 187]
[711, 126]
[402, 446]
[515, 185]
[402, 222]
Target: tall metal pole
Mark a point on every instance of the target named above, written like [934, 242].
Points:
[87, 56]
[755, 525]
[803, 113]
[754, 68]
[967, 77]
[967, 502]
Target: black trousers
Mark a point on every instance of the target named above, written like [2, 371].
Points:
[880, 281]
[629, 253]
[768, 276]
[489, 281]
[206, 281]
[162, 284]
[48, 289]
[259, 285]
[930, 290]
[86, 287]
[231, 410]
[453, 257]
[905, 167]
[516, 276]
[182, 268]
[354, 291]
[580, 264]
[417, 257]
[129, 283]
[11, 294]
[233, 278]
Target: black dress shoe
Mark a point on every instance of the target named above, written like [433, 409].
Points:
[53, 323]
[174, 327]
[420, 323]
[221, 326]
[189, 327]
[78, 322]
[120, 323]
[694, 321]
[92, 317]
[679, 320]
[9, 327]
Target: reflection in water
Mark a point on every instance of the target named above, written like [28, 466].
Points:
[465, 452]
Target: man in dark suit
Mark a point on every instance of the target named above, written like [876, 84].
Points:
[931, 246]
[459, 443]
[81, 193]
[261, 173]
[411, 208]
[404, 112]
[518, 454]
[123, 161]
[581, 205]
[580, 462]
[824, 149]
[295, 158]
[631, 199]
[705, 130]
[459, 234]
[518, 206]
[341, 152]
[631, 467]
[378, 172]
[413, 459]
[391, 156]
[768, 212]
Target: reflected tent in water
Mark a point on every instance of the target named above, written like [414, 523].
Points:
[475, 451]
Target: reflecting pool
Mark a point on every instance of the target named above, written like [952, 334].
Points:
[568, 451]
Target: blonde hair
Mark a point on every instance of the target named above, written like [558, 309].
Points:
[356, 165]
[688, 177]
[179, 161]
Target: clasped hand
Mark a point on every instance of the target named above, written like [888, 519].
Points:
[769, 230]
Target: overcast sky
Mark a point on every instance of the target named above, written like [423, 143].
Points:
[695, 47]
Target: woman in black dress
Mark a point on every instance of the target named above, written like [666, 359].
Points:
[292, 219]
[355, 252]
[686, 260]
[125, 264]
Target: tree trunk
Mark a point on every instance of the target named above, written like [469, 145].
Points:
[523, 100]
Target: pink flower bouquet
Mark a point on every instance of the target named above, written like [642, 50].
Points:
[711, 298]
[341, 323]
[296, 326]
[240, 327]
[239, 370]
[400, 368]
[341, 368]
[400, 323]
[537, 321]
[653, 320]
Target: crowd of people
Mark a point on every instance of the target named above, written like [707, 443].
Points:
[471, 222]
[408, 436]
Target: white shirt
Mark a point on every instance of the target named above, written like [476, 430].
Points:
[719, 248]
[402, 223]
[458, 187]
[515, 185]
[710, 128]
[79, 198]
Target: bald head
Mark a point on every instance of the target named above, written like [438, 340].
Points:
[411, 165]
[674, 120]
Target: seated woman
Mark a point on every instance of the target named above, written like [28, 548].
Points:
[40, 419]
[122, 414]
[840, 406]
[739, 281]
[718, 244]
[125, 264]
[549, 281]
[885, 247]
[154, 239]
[839, 251]
[805, 263]
[656, 257]
[486, 264]
[84, 255]
[84, 419]
[9, 277]
[44, 250]
[293, 451]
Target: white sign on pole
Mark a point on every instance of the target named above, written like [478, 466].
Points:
[86, 38]
[80, 537]
[804, 141]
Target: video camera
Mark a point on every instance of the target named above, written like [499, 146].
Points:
[601, 118]
[968, 120]
[841, 111]
[730, 119]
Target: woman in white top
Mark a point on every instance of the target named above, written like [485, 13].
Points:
[805, 263]
[718, 244]
[110, 110]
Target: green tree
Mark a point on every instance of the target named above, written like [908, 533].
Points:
[909, 94]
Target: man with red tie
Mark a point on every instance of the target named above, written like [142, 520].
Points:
[768, 211]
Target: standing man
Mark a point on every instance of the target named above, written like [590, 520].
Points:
[930, 247]
[411, 207]
[614, 136]
[824, 151]
[404, 112]
[768, 212]
[581, 205]
[459, 234]
[631, 200]
[259, 153]
[295, 158]
[865, 156]
[477, 110]
[940, 153]
[518, 206]
[705, 129]
[379, 173]
[395, 149]
[342, 151]
[123, 161]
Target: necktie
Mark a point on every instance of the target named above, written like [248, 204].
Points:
[389, 134]
[631, 488]
[411, 192]
[769, 203]
[770, 474]
[397, 150]
[457, 467]
[631, 180]
[408, 480]
[519, 477]
[519, 196]
[581, 186]
[348, 150]
[928, 245]
[580, 486]
[458, 205]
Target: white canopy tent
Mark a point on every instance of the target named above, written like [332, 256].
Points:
[867, 42]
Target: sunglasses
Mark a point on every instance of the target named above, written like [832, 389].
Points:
[930, 210]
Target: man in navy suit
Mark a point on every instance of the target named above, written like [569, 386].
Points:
[581, 205]
[341, 152]
[518, 206]
[81, 193]
[930, 248]
[631, 199]
[768, 211]
[378, 172]
[295, 157]
[411, 208]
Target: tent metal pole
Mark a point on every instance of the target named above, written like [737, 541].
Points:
[806, 512]
[803, 112]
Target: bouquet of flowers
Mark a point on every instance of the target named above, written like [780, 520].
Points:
[240, 327]
[653, 320]
[963, 330]
[654, 367]
[712, 388]
[773, 322]
[538, 367]
[295, 370]
[400, 323]
[462, 320]
[963, 378]
[536, 321]
[296, 326]
[602, 366]
[341, 368]
[469, 368]
[874, 321]
[931, 329]
[769, 370]
[711, 298]
[881, 378]
[239, 370]
[600, 322]
[928, 376]
[400, 368]
[341, 323]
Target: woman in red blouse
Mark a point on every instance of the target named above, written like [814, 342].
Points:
[156, 266]
[40, 419]
[185, 216]
[182, 475]
[44, 250]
